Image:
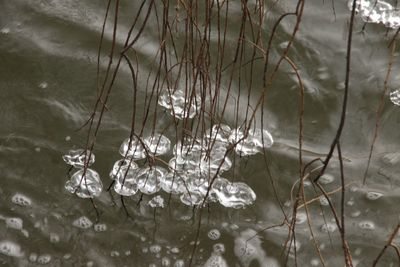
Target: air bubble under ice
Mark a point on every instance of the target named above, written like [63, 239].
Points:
[21, 200]
[44, 259]
[82, 222]
[100, 227]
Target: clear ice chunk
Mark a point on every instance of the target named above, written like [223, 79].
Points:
[210, 166]
[219, 133]
[173, 183]
[192, 198]
[120, 166]
[164, 99]
[188, 155]
[85, 186]
[134, 149]
[180, 103]
[149, 179]
[235, 195]
[126, 182]
[157, 144]
[76, 158]
[395, 97]
[243, 146]
[253, 143]
[261, 138]
[198, 184]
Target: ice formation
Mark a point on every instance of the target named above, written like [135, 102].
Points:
[377, 11]
[180, 103]
[85, 184]
[195, 165]
[395, 97]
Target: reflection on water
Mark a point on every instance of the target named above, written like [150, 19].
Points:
[48, 51]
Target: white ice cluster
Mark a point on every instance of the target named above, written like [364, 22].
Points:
[194, 169]
[377, 11]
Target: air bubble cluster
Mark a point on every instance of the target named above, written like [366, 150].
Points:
[377, 11]
[214, 234]
[21, 200]
[82, 222]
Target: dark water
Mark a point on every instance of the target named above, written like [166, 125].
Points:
[48, 53]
